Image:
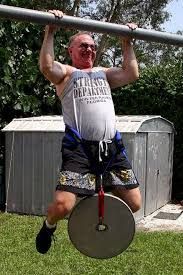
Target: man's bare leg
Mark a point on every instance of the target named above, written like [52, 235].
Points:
[62, 205]
[132, 197]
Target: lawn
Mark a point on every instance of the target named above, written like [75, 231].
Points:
[157, 253]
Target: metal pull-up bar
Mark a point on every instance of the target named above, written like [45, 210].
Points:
[43, 18]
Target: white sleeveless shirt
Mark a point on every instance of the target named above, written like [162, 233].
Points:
[87, 105]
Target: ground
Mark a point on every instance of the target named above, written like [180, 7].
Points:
[167, 218]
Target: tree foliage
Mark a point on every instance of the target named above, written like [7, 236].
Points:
[23, 90]
[146, 14]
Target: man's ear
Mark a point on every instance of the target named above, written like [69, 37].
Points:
[70, 51]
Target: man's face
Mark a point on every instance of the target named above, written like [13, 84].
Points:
[82, 52]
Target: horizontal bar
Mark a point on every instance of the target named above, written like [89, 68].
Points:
[43, 18]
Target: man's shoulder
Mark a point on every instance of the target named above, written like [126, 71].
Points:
[69, 69]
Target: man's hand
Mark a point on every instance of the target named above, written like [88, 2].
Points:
[58, 14]
[132, 26]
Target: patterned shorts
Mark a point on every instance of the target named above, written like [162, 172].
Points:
[86, 184]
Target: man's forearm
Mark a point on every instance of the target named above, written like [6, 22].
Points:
[129, 58]
[47, 56]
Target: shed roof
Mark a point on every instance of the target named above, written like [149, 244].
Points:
[36, 124]
[146, 123]
[125, 124]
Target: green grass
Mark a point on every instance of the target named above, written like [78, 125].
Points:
[157, 253]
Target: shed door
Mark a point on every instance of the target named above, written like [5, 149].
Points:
[158, 179]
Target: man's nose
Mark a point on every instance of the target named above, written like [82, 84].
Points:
[89, 48]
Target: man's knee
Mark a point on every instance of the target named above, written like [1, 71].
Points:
[64, 202]
[131, 197]
[134, 205]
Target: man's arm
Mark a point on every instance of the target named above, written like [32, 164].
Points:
[54, 71]
[118, 77]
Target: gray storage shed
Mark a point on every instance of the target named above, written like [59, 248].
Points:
[33, 160]
[149, 141]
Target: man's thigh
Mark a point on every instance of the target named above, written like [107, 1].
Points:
[132, 197]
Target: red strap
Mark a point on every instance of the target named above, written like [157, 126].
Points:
[101, 204]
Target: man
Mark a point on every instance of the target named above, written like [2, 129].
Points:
[91, 145]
